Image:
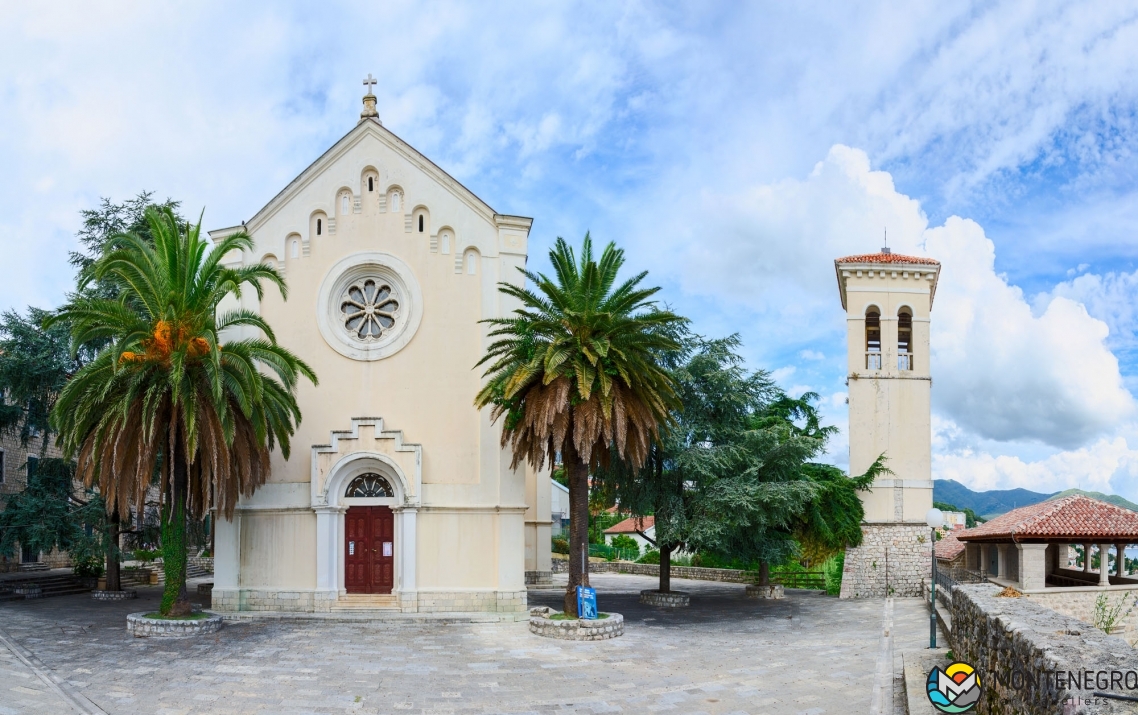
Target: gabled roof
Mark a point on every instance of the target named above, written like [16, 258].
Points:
[949, 547]
[375, 128]
[1077, 518]
[632, 524]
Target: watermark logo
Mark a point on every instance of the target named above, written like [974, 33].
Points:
[955, 689]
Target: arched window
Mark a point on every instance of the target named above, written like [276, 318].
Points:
[296, 249]
[420, 223]
[444, 241]
[872, 339]
[371, 183]
[471, 262]
[344, 203]
[319, 227]
[369, 485]
[395, 200]
[904, 340]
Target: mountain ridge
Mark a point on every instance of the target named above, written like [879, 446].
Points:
[994, 502]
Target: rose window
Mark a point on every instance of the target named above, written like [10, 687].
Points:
[369, 307]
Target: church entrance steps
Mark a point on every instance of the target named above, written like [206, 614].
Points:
[366, 602]
[377, 616]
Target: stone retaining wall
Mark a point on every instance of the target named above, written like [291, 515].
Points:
[1032, 660]
[205, 563]
[696, 573]
[672, 599]
[471, 601]
[1080, 604]
[893, 560]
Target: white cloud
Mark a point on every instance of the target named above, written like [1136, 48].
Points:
[999, 371]
[1110, 297]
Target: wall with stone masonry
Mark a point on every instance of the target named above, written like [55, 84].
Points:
[893, 560]
[1080, 604]
[693, 572]
[1018, 646]
[234, 600]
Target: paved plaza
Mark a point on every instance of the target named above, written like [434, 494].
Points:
[808, 653]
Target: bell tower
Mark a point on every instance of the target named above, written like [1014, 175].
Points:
[888, 300]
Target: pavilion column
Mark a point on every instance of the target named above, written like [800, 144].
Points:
[984, 560]
[1104, 564]
[1032, 566]
[1120, 560]
[1086, 558]
[1002, 561]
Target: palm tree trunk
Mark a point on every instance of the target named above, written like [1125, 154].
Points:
[578, 473]
[175, 599]
[114, 583]
[666, 567]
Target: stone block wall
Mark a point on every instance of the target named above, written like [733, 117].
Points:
[893, 560]
[696, 573]
[1080, 604]
[245, 599]
[472, 601]
[1034, 661]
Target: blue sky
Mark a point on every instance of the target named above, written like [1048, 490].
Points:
[734, 149]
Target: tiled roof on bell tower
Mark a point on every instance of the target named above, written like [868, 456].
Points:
[888, 257]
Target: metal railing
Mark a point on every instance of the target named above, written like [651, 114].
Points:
[873, 361]
[800, 579]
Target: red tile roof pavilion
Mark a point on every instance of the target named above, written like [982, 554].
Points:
[1074, 519]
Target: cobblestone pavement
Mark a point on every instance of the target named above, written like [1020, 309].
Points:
[724, 654]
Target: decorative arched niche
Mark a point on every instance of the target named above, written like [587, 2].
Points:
[421, 220]
[395, 198]
[369, 182]
[873, 338]
[446, 239]
[470, 261]
[317, 224]
[343, 201]
[296, 245]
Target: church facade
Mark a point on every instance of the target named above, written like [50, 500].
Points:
[397, 494]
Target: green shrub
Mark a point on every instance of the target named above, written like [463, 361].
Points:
[832, 570]
[145, 555]
[560, 546]
[651, 556]
[626, 545]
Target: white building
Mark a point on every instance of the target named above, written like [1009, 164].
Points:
[397, 494]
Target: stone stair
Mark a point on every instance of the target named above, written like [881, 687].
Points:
[32, 567]
[366, 602]
[50, 585]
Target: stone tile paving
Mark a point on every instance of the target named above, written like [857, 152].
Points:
[725, 654]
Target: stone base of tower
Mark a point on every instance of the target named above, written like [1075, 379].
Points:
[893, 560]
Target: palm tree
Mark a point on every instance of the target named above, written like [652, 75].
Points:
[166, 399]
[574, 371]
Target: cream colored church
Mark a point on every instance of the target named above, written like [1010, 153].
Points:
[397, 494]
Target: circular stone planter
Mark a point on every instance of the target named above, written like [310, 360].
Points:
[601, 629]
[114, 595]
[139, 626]
[775, 590]
[672, 599]
[29, 590]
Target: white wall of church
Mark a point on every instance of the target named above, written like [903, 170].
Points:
[473, 510]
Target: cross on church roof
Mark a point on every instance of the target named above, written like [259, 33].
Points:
[369, 100]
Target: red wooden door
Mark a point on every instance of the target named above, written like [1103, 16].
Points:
[369, 549]
[357, 549]
[383, 549]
